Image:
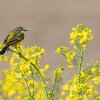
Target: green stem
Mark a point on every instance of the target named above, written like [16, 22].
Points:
[40, 76]
[27, 85]
[80, 64]
[52, 92]
[57, 81]
[79, 70]
[32, 77]
[62, 61]
[56, 78]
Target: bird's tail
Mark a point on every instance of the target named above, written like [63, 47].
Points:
[4, 49]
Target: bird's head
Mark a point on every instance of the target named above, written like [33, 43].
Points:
[21, 28]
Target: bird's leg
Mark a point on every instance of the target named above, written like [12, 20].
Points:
[18, 49]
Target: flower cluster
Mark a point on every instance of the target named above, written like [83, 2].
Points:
[22, 81]
[26, 79]
[81, 87]
[81, 35]
[67, 53]
[21, 65]
[85, 89]
[10, 87]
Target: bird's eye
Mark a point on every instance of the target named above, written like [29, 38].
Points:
[19, 29]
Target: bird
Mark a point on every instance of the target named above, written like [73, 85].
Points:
[14, 38]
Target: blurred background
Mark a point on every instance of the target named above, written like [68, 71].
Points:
[49, 23]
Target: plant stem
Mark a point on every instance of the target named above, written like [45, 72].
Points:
[27, 86]
[80, 64]
[79, 71]
[32, 77]
[52, 91]
[61, 63]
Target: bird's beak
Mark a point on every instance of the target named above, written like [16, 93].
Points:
[25, 30]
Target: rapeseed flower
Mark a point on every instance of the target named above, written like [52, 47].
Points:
[80, 36]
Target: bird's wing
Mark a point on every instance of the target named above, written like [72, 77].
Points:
[8, 38]
[16, 39]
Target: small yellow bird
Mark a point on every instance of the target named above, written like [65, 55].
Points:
[13, 38]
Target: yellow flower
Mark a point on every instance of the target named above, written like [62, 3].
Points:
[72, 97]
[46, 67]
[40, 95]
[96, 80]
[65, 87]
[75, 79]
[94, 69]
[11, 92]
[85, 97]
[42, 51]
[58, 51]
[30, 82]
[73, 35]
[20, 88]
[67, 52]
[43, 85]
[7, 84]
[81, 34]
[90, 89]
[62, 93]
[21, 77]
[6, 58]
[70, 66]
[70, 55]
[12, 61]
[59, 71]
[83, 74]
[42, 71]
